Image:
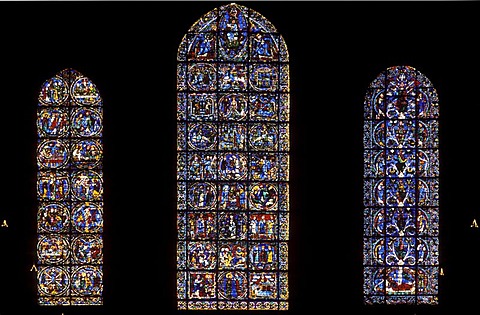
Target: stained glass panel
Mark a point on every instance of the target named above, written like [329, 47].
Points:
[70, 191]
[233, 163]
[401, 184]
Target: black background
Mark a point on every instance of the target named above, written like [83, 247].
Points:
[336, 49]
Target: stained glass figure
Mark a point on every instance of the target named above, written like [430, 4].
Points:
[233, 148]
[401, 189]
[69, 191]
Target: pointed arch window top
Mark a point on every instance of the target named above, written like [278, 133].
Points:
[401, 92]
[233, 33]
[69, 87]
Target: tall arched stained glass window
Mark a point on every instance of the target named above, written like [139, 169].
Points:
[233, 163]
[401, 184]
[69, 191]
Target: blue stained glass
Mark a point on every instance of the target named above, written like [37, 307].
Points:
[232, 77]
[87, 153]
[263, 256]
[54, 91]
[232, 285]
[232, 137]
[69, 191]
[202, 226]
[233, 226]
[263, 137]
[87, 281]
[202, 106]
[53, 281]
[202, 46]
[233, 196]
[53, 122]
[264, 47]
[202, 77]
[233, 146]
[88, 218]
[263, 167]
[232, 18]
[52, 154]
[263, 106]
[401, 170]
[53, 218]
[263, 77]
[202, 136]
[233, 46]
[233, 106]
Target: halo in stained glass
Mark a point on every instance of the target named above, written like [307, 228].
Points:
[232, 106]
[52, 122]
[232, 285]
[232, 166]
[53, 92]
[263, 196]
[86, 122]
[233, 255]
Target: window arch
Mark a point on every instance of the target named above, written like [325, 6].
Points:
[69, 191]
[233, 163]
[401, 184]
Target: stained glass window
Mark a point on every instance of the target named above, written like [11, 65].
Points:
[69, 191]
[401, 185]
[233, 163]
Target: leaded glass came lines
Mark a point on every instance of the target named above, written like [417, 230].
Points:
[69, 191]
[401, 185]
[233, 163]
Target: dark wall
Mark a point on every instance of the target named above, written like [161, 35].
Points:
[336, 49]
